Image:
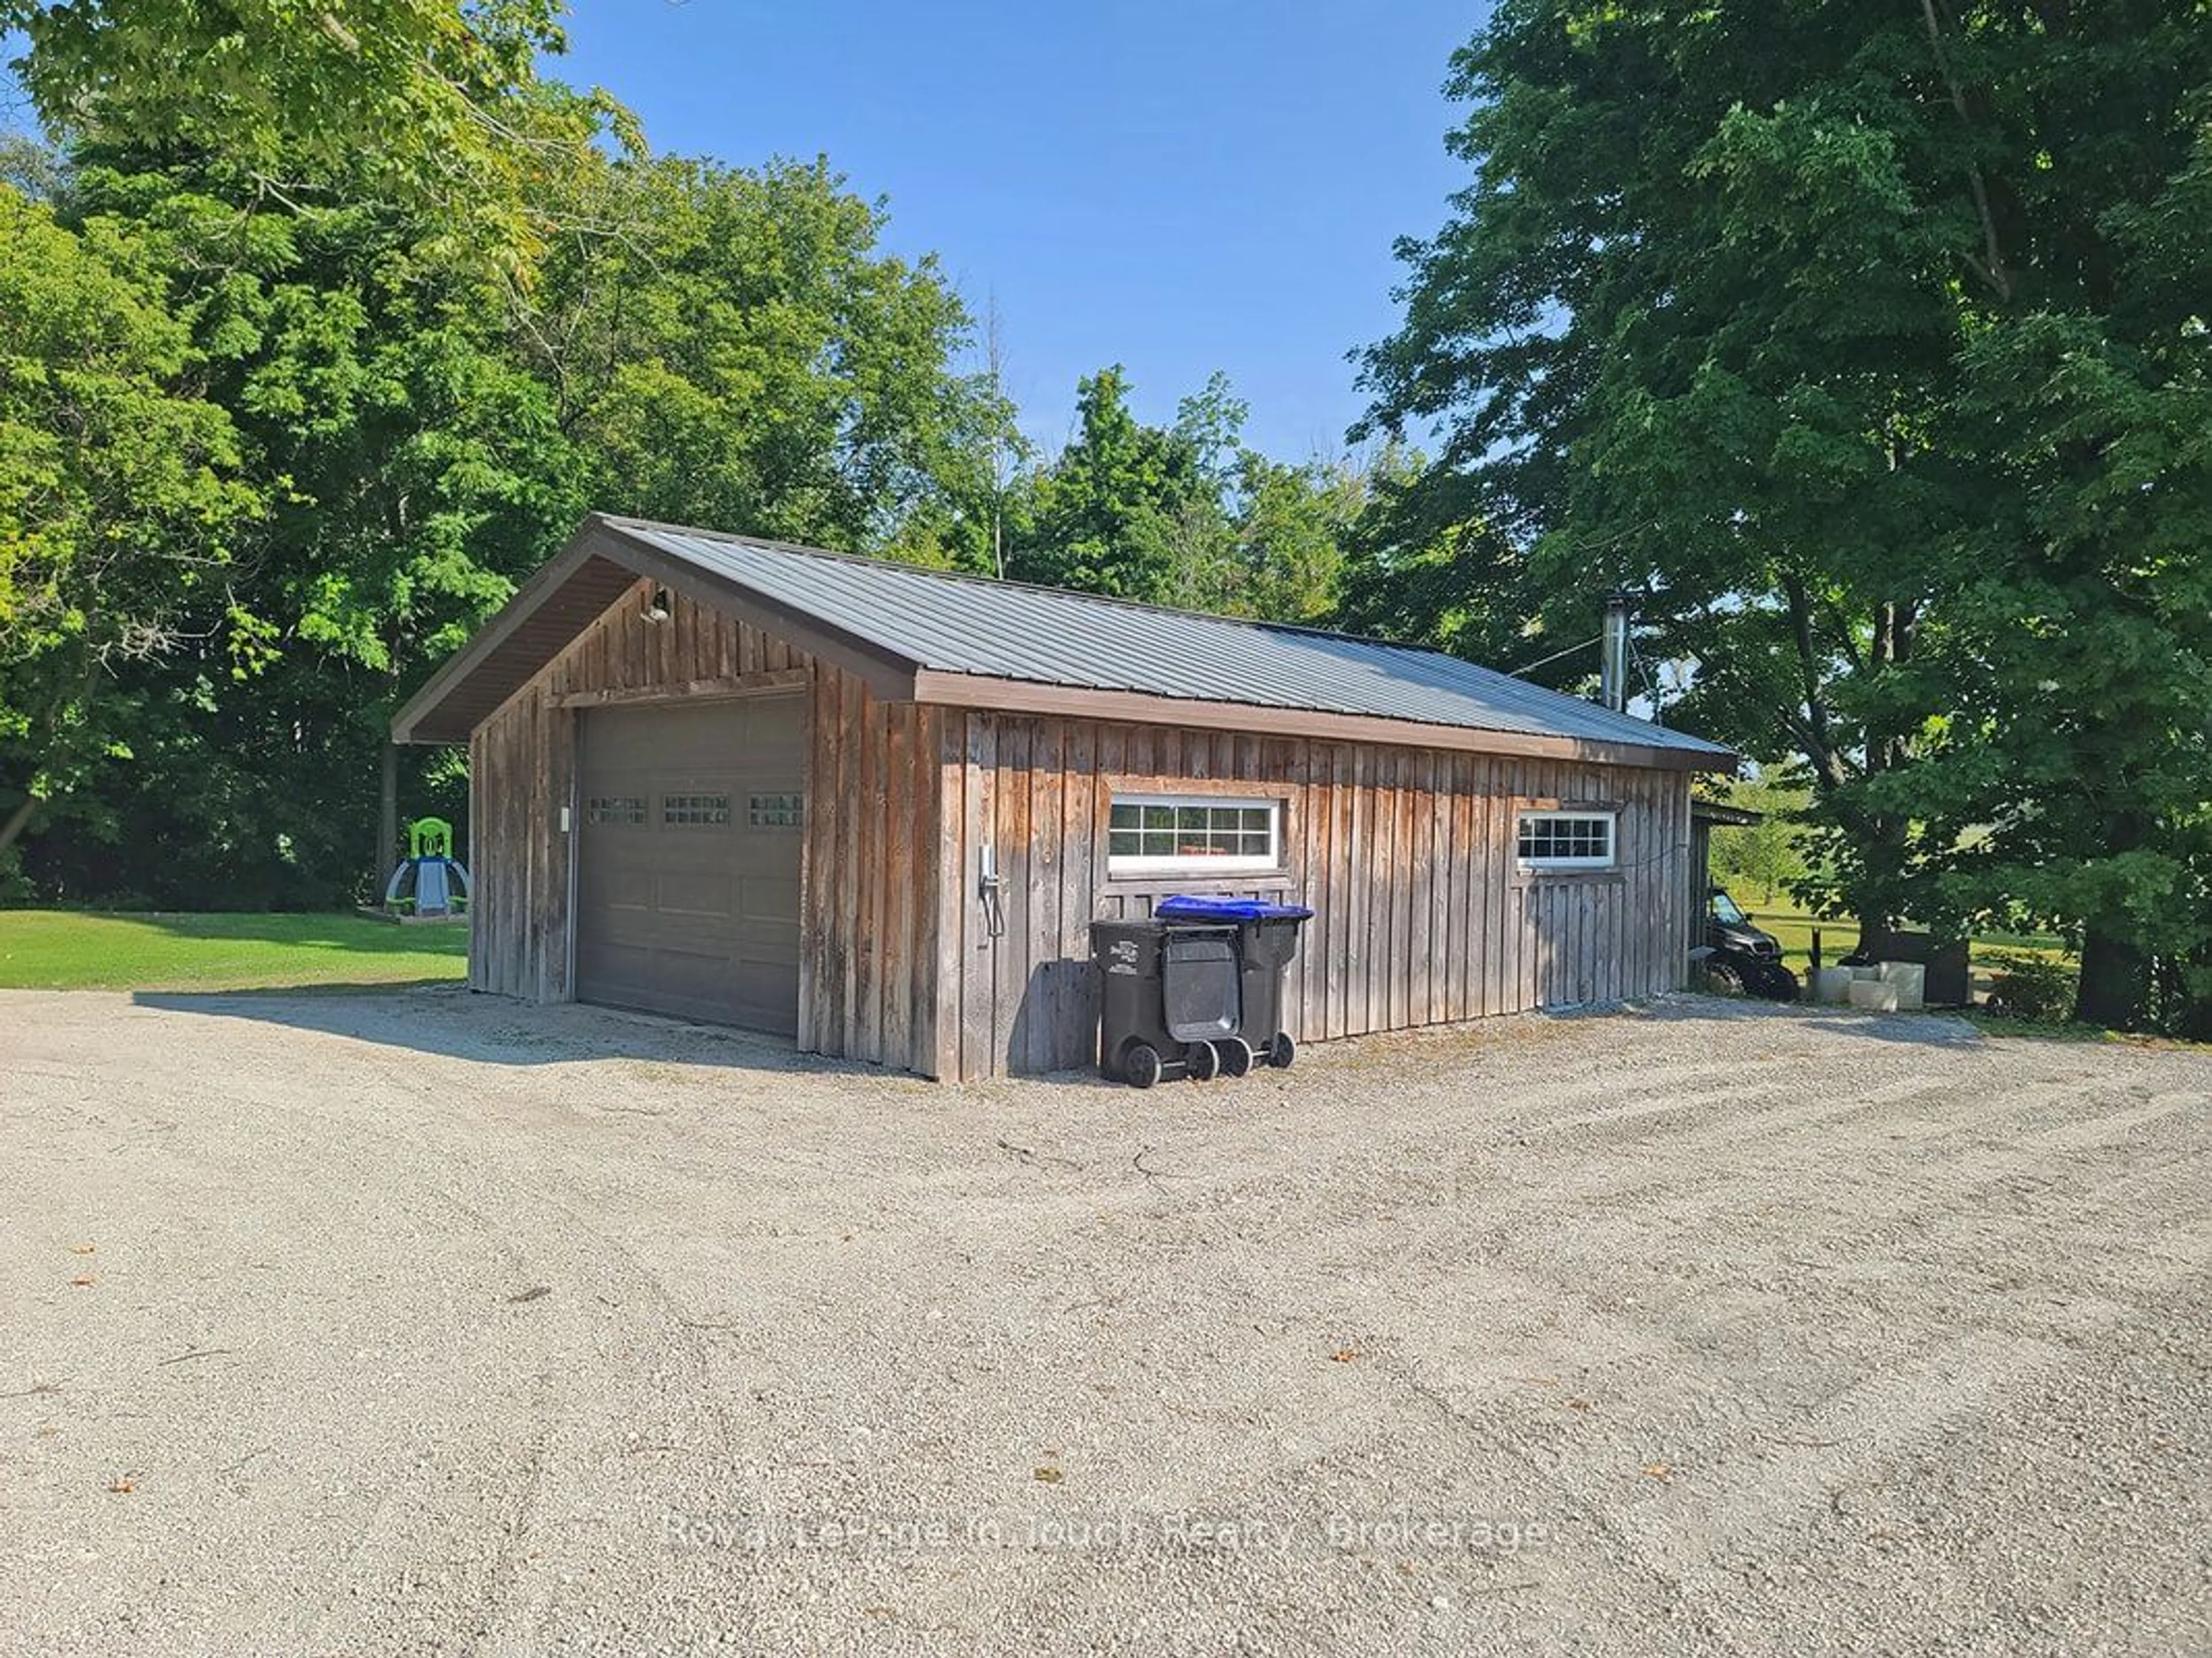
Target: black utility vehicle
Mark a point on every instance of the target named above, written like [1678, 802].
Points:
[1745, 958]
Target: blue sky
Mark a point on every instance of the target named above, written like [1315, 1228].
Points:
[1175, 187]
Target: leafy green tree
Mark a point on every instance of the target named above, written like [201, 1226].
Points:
[1188, 514]
[1421, 563]
[730, 347]
[1760, 310]
[1767, 857]
[2069, 780]
[413, 472]
[1119, 512]
[120, 497]
[421, 102]
[1290, 525]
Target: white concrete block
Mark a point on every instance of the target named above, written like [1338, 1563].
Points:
[1909, 980]
[1832, 985]
[1872, 996]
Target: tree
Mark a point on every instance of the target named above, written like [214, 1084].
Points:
[119, 496]
[1290, 526]
[1422, 564]
[411, 473]
[730, 347]
[1720, 318]
[1767, 856]
[1188, 514]
[424, 102]
[2069, 780]
[1120, 510]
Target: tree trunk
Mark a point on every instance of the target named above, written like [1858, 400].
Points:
[2115, 988]
[2115, 982]
[18, 821]
[387, 819]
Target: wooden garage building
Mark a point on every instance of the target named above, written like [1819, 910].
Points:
[876, 808]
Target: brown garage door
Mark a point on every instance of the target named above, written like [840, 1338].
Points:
[687, 875]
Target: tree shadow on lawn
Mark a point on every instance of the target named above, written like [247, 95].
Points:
[352, 932]
[452, 1021]
[1933, 1027]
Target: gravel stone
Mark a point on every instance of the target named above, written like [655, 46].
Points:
[430, 1323]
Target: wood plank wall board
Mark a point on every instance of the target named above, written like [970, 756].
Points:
[979, 1007]
[1011, 979]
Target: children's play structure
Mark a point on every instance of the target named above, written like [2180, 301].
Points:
[430, 884]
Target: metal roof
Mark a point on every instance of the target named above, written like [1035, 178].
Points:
[955, 624]
[938, 637]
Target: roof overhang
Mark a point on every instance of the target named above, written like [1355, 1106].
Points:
[962, 690]
[551, 611]
[1723, 816]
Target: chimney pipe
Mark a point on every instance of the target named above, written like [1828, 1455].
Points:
[1612, 665]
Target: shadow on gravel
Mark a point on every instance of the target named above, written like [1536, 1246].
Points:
[449, 1020]
[1933, 1028]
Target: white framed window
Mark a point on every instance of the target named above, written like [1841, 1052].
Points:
[1566, 839]
[1193, 835]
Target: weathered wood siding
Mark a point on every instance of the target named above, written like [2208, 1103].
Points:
[867, 919]
[1405, 855]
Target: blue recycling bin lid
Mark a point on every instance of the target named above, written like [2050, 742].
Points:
[1192, 907]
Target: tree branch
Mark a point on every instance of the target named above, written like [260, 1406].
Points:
[1991, 267]
[1820, 747]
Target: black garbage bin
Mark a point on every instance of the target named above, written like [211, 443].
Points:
[1169, 994]
[1266, 943]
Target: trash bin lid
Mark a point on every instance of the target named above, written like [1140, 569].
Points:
[1192, 907]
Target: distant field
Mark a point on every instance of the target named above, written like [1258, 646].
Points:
[64, 949]
[1794, 926]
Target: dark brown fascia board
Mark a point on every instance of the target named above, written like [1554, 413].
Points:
[890, 677]
[960, 690]
[547, 579]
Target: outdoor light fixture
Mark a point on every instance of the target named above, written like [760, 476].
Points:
[656, 608]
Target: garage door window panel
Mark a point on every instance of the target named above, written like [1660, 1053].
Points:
[695, 811]
[775, 812]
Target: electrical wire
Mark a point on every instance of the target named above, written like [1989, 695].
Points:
[1545, 661]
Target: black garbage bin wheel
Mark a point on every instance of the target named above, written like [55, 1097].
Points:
[1282, 1051]
[1202, 1061]
[1236, 1056]
[1141, 1066]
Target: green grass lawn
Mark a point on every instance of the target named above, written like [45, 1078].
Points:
[65, 949]
[1794, 928]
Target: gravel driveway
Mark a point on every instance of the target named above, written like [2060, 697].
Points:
[430, 1323]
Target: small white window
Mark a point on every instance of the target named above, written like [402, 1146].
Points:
[1566, 839]
[1193, 835]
